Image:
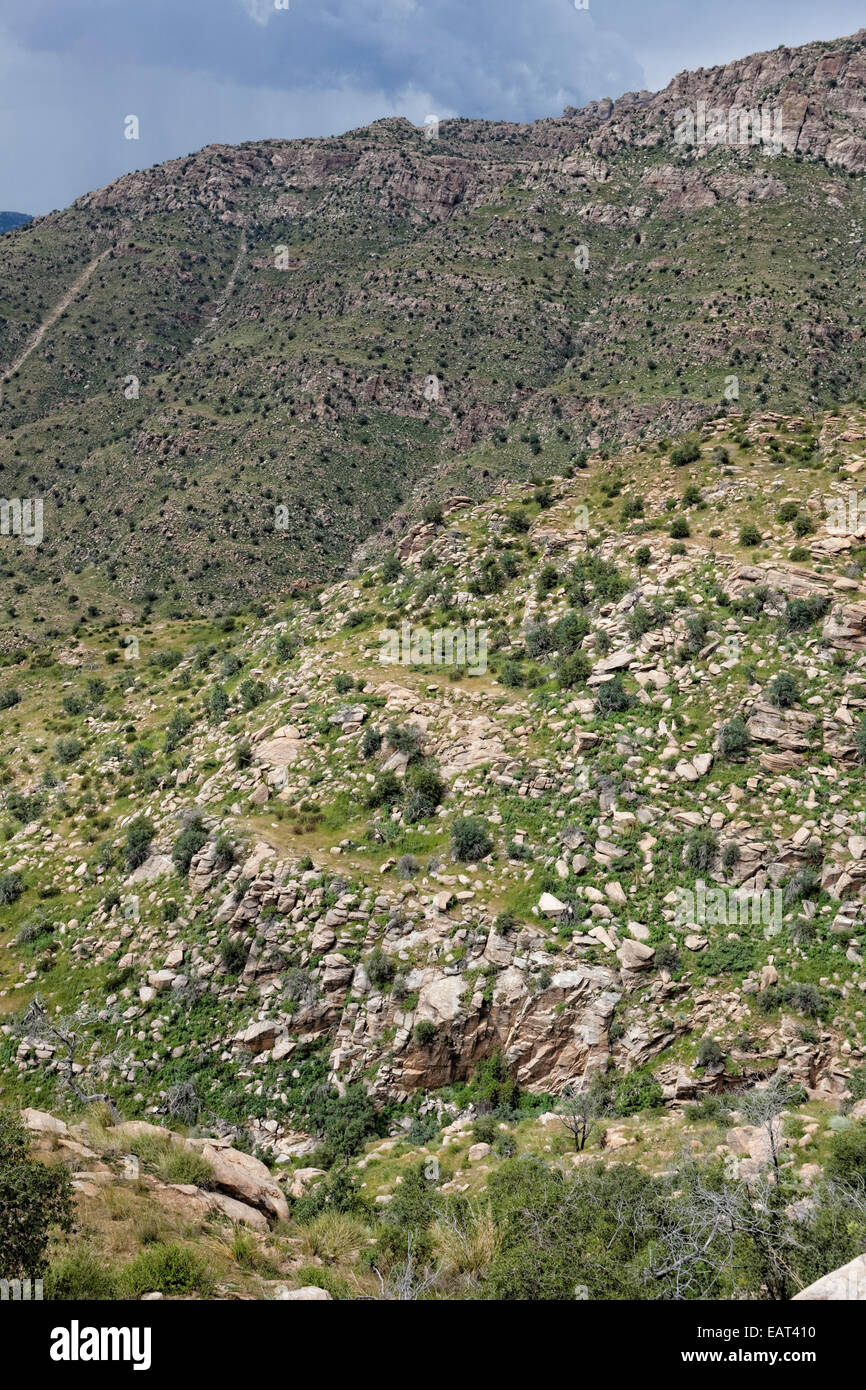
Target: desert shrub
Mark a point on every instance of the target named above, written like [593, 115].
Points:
[177, 729]
[726, 957]
[612, 697]
[701, 849]
[166, 1268]
[243, 754]
[424, 1032]
[81, 1274]
[709, 1108]
[379, 967]
[188, 843]
[749, 534]
[687, 452]
[783, 691]
[709, 1053]
[371, 742]
[139, 835]
[801, 613]
[679, 529]
[847, 1160]
[406, 738]
[426, 792]
[35, 1201]
[217, 705]
[511, 674]
[667, 957]
[287, 646]
[344, 1123]
[11, 887]
[252, 693]
[573, 670]
[734, 739]
[469, 838]
[637, 1091]
[385, 791]
[67, 751]
[233, 953]
[493, 1088]
[539, 640]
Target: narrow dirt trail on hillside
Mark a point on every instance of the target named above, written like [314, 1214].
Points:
[227, 291]
[54, 314]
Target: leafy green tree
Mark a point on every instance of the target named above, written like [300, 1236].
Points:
[35, 1200]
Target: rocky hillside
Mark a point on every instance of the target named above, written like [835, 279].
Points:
[270, 891]
[244, 367]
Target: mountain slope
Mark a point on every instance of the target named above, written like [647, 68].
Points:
[264, 326]
[371, 922]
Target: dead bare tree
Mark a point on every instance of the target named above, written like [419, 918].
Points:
[712, 1226]
[64, 1032]
[763, 1105]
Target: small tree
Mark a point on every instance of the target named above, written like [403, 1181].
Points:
[763, 1106]
[66, 1033]
[34, 1199]
[578, 1110]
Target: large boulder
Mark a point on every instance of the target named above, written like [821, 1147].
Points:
[244, 1177]
[847, 1283]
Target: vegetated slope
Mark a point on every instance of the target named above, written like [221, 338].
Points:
[262, 331]
[258, 865]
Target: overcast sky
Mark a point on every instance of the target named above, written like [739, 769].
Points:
[197, 72]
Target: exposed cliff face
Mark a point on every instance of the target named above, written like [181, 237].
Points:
[819, 91]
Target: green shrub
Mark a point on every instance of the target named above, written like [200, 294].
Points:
[783, 691]
[573, 670]
[233, 953]
[139, 835]
[734, 739]
[379, 967]
[847, 1161]
[469, 839]
[709, 1053]
[166, 1268]
[35, 1202]
[612, 697]
[385, 791]
[749, 534]
[11, 887]
[67, 751]
[635, 1092]
[188, 843]
[81, 1275]
[687, 452]
[425, 1032]
[371, 742]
